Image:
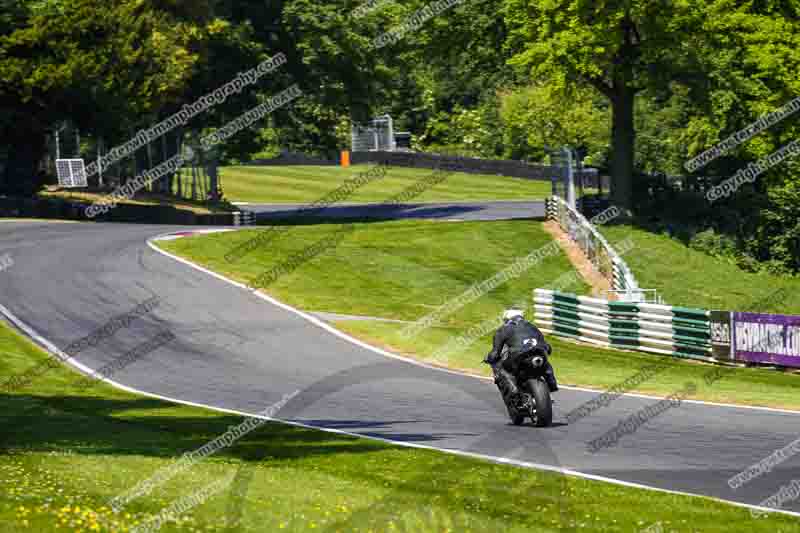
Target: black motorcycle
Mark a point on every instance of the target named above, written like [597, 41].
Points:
[534, 400]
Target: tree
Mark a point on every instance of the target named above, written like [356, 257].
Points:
[545, 115]
[619, 48]
[100, 65]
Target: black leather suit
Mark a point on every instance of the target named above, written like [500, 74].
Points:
[520, 337]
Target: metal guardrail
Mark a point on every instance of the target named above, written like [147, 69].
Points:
[602, 255]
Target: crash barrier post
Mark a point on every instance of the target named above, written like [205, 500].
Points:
[602, 255]
[244, 218]
[661, 329]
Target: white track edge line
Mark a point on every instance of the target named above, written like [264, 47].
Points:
[384, 353]
[501, 460]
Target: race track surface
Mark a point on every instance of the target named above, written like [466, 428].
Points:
[498, 210]
[234, 350]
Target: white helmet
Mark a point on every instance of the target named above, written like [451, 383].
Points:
[511, 313]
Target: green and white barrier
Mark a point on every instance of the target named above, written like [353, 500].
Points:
[662, 329]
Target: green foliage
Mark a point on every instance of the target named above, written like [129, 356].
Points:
[97, 65]
[660, 125]
[470, 132]
[547, 115]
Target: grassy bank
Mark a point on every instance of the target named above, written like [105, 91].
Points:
[66, 451]
[405, 270]
[688, 277]
[302, 184]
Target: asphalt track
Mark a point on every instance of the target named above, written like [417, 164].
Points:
[497, 210]
[237, 351]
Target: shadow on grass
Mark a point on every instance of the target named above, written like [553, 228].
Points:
[146, 427]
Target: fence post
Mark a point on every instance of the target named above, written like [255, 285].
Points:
[100, 161]
[570, 178]
[214, 179]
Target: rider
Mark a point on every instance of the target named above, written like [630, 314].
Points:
[520, 336]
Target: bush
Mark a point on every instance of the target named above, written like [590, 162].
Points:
[712, 243]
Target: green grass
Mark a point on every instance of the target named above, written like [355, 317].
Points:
[399, 269]
[404, 270]
[692, 278]
[70, 450]
[303, 184]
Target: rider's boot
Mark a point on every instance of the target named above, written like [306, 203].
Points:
[550, 377]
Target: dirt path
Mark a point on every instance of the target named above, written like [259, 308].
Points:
[582, 265]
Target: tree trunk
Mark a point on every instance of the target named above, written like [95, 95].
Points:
[622, 147]
[21, 175]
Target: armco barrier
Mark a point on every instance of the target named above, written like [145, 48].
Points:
[514, 169]
[602, 255]
[58, 208]
[662, 329]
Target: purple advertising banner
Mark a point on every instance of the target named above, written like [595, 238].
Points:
[769, 339]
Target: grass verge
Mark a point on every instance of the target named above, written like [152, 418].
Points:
[692, 278]
[404, 270]
[302, 184]
[70, 450]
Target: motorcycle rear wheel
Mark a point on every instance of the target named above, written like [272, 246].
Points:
[543, 415]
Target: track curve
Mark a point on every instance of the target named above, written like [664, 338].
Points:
[235, 350]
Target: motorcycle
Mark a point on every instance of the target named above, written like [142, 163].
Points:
[534, 400]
